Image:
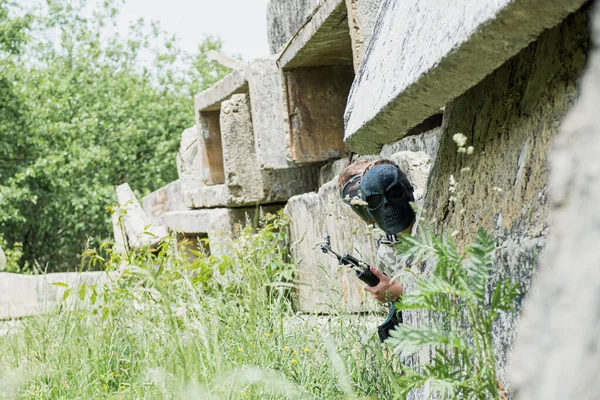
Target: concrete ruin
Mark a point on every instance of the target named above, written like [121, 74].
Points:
[388, 79]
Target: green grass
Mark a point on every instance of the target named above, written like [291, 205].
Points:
[218, 328]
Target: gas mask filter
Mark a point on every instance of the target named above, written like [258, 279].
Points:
[388, 193]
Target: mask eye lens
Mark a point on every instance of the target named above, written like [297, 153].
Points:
[374, 201]
[396, 192]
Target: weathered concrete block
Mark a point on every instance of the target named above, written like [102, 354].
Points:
[313, 119]
[208, 197]
[137, 227]
[511, 119]
[242, 171]
[556, 355]
[189, 160]
[264, 80]
[27, 295]
[330, 170]
[167, 198]
[323, 40]
[217, 224]
[211, 98]
[361, 20]
[425, 53]
[285, 18]
[427, 142]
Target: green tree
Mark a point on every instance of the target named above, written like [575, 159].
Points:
[83, 111]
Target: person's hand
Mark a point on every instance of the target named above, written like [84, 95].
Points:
[387, 290]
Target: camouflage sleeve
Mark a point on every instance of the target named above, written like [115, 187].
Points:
[387, 259]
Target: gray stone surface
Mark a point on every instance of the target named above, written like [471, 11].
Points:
[323, 40]
[167, 198]
[362, 15]
[266, 98]
[511, 119]
[26, 295]
[424, 53]
[242, 170]
[207, 197]
[285, 18]
[557, 354]
[427, 142]
[330, 170]
[137, 227]
[211, 98]
[189, 161]
[213, 221]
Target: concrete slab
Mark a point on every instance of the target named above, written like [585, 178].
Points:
[190, 163]
[285, 18]
[424, 53]
[136, 225]
[167, 198]
[266, 99]
[323, 40]
[242, 171]
[27, 295]
[207, 197]
[362, 15]
[214, 220]
[211, 98]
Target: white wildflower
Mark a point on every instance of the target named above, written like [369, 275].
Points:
[460, 139]
[470, 150]
[452, 180]
[357, 201]
[461, 150]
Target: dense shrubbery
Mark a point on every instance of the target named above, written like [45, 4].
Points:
[81, 111]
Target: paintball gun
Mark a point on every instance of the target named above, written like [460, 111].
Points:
[363, 272]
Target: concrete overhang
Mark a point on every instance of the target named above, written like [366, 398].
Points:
[211, 98]
[323, 40]
[425, 53]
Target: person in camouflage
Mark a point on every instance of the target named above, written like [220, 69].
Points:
[380, 193]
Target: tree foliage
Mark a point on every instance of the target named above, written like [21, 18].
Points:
[81, 110]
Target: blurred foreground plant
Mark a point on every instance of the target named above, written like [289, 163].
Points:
[462, 303]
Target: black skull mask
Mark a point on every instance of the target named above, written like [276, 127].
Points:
[388, 193]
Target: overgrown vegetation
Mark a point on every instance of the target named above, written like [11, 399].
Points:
[224, 326]
[83, 109]
[220, 327]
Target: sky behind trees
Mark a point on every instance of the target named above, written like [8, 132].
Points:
[241, 24]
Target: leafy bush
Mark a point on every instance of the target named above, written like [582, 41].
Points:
[82, 111]
[463, 304]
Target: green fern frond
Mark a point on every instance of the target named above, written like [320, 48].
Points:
[481, 263]
[406, 339]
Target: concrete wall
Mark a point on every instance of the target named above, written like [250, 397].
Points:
[285, 18]
[557, 351]
[511, 119]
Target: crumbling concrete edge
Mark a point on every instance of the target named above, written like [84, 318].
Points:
[462, 68]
